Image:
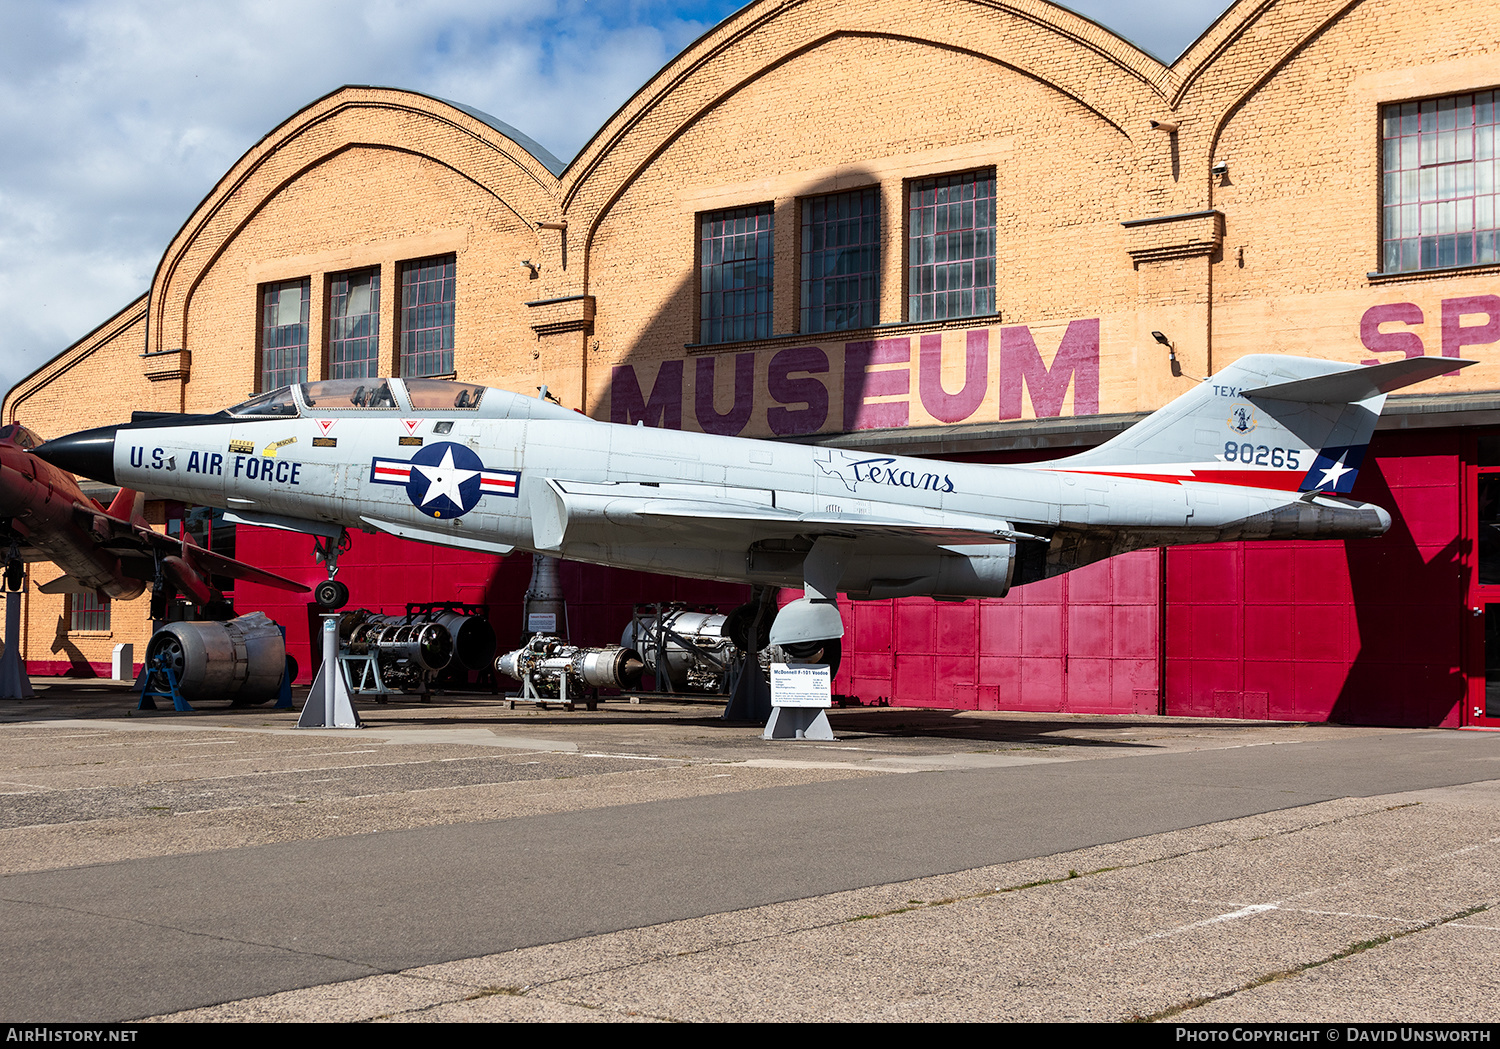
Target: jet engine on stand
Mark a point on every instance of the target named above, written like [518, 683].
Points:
[241, 659]
[684, 646]
[551, 669]
[393, 653]
[473, 639]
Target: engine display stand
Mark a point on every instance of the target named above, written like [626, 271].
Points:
[160, 671]
[530, 693]
[14, 684]
[328, 703]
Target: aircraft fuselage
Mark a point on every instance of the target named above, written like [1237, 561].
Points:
[515, 473]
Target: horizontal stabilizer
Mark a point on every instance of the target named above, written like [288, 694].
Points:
[217, 564]
[127, 506]
[1359, 383]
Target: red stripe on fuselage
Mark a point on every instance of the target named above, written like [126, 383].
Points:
[1275, 480]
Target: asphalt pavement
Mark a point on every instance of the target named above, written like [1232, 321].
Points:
[461, 860]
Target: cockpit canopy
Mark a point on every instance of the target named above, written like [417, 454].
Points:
[415, 396]
[23, 437]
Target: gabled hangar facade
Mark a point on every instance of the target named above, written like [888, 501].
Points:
[941, 227]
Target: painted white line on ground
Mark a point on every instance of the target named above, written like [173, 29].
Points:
[1244, 912]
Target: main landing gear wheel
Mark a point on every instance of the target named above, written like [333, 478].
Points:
[737, 626]
[331, 594]
[830, 652]
[13, 575]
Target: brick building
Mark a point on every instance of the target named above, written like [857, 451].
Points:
[945, 227]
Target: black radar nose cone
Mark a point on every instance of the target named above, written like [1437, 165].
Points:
[88, 453]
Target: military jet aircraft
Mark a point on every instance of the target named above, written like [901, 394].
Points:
[44, 515]
[1266, 449]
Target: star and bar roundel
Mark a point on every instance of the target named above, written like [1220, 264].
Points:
[444, 480]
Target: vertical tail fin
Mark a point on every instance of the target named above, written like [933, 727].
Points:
[1266, 421]
[128, 505]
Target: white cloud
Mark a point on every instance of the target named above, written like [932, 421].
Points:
[117, 116]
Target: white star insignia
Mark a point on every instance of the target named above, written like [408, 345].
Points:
[1332, 475]
[444, 479]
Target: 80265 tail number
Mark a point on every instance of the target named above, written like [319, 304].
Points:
[1262, 455]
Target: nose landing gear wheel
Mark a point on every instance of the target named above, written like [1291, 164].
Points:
[331, 594]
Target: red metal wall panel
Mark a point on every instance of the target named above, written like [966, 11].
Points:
[1362, 631]
[1084, 642]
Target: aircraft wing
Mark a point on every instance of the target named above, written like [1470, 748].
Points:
[135, 540]
[64, 584]
[571, 507]
[211, 563]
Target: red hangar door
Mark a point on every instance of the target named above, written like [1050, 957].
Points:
[1482, 653]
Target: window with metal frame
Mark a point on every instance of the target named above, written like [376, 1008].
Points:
[840, 260]
[354, 325]
[734, 274]
[428, 294]
[283, 333]
[1439, 187]
[88, 612]
[950, 247]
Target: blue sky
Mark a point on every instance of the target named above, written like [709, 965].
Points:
[117, 116]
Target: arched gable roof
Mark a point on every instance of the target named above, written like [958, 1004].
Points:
[105, 335]
[1078, 58]
[517, 172]
[1240, 52]
[1106, 74]
[526, 142]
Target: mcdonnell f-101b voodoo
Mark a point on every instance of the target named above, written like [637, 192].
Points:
[1266, 449]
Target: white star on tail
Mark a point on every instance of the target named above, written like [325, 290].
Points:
[1332, 475]
[444, 479]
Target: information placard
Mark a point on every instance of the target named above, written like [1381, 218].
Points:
[801, 685]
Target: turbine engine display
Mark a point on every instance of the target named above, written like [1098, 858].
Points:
[684, 646]
[550, 668]
[241, 659]
[473, 639]
[407, 653]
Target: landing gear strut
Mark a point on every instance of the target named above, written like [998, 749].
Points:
[810, 629]
[162, 594]
[14, 569]
[330, 594]
[749, 627]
